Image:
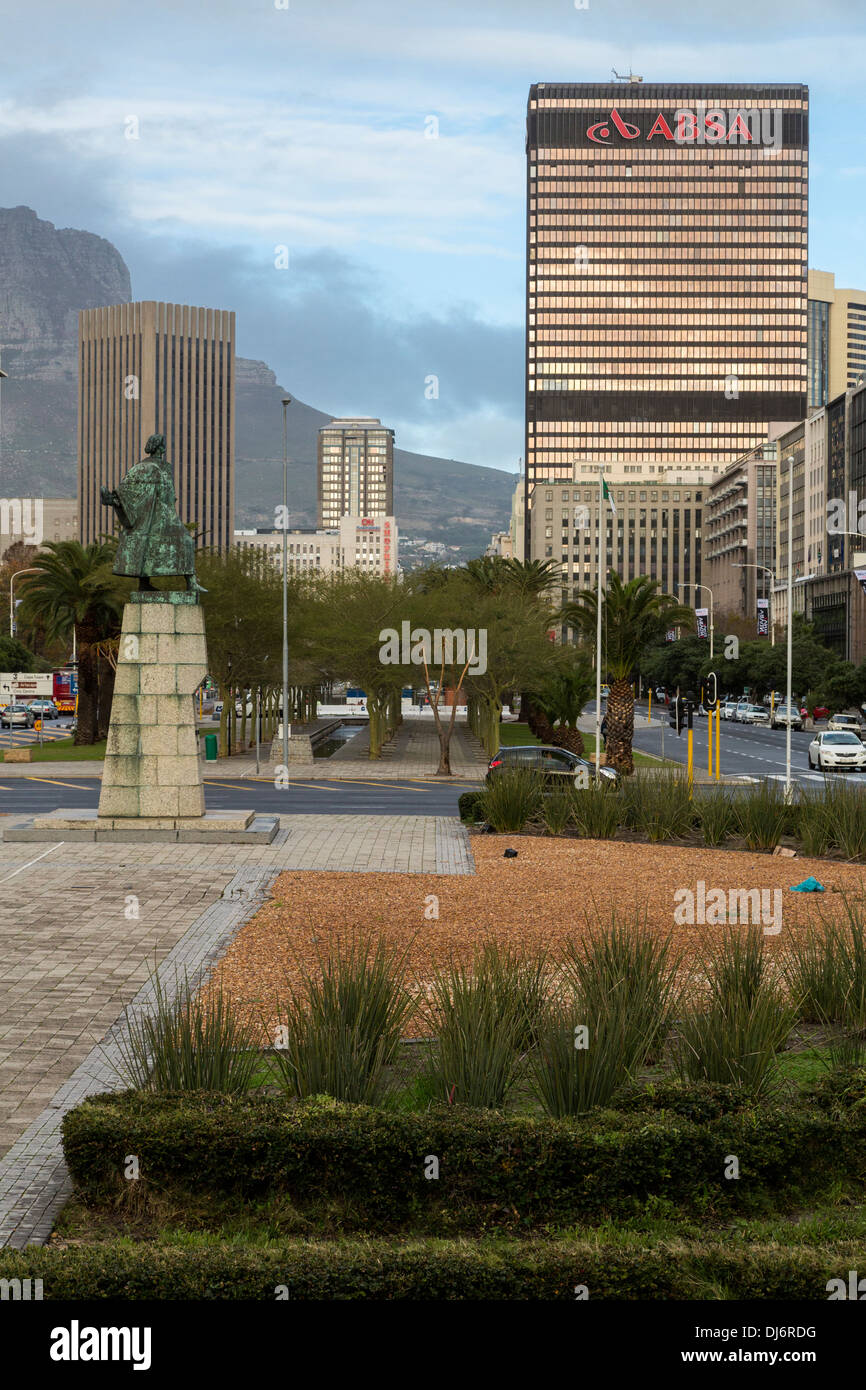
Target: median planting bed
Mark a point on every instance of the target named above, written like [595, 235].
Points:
[516, 1084]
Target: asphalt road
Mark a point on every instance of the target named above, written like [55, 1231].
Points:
[42, 791]
[746, 750]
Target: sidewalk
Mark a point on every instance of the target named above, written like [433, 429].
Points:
[82, 927]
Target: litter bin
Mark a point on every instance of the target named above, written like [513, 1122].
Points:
[210, 748]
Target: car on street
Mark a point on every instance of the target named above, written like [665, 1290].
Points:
[16, 716]
[837, 750]
[742, 706]
[753, 714]
[660, 693]
[44, 709]
[556, 765]
[845, 723]
[783, 715]
[728, 709]
[819, 712]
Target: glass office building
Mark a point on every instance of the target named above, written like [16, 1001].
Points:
[666, 286]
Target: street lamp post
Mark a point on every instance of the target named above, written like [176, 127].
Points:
[712, 629]
[790, 621]
[34, 569]
[768, 571]
[286, 402]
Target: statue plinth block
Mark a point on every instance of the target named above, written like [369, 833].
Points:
[152, 769]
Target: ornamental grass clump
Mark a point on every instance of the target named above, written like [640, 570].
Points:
[611, 1014]
[826, 971]
[511, 799]
[732, 1038]
[664, 810]
[341, 1028]
[761, 815]
[190, 1042]
[484, 1022]
[716, 813]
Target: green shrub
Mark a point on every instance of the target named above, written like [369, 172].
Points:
[734, 1037]
[441, 1270]
[761, 815]
[511, 798]
[188, 1043]
[469, 806]
[364, 1168]
[344, 1024]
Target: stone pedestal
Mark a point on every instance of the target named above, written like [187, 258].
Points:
[152, 788]
[152, 769]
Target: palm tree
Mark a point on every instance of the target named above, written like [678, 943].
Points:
[77, 589]
[555, 706]
[634, 615]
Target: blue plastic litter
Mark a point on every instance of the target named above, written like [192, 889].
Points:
[809, 885]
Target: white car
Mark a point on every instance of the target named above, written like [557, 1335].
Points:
[728, 709]
[845, 724]
[754, 714]
[742, 706]
[783, 715]
[837, 750]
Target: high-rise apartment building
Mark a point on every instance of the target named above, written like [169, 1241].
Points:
[356, 470]
[152, 368]
[739, 533]
[837, 338]
[666, 276]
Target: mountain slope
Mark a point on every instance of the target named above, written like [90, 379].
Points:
[47, 274]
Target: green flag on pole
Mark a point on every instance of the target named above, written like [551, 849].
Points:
[606, 492]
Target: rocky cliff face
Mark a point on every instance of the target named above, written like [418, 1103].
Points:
[47, 274]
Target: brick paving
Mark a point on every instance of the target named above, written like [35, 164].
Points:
[74, 955]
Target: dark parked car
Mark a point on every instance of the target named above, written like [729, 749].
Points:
[556, 764]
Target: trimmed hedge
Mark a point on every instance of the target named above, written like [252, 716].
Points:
[370, 1164]
[467, 804]
[528, 1270]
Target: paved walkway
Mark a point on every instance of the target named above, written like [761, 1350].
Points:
[83, 926]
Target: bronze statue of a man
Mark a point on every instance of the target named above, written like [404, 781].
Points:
[153, 539]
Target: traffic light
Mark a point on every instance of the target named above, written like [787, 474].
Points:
[679, 713]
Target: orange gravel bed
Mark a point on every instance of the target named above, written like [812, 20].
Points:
[553, 890]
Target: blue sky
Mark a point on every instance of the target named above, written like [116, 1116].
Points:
[306, 127]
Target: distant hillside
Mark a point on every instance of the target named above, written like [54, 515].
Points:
[47, 274]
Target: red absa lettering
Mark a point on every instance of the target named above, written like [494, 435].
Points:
[661, 127]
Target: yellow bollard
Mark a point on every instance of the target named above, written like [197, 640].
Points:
[710, 741]
[690, 765]
[650, 713]
[718, 721]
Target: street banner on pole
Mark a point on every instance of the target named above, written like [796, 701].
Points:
[763, 617]
[702, 615]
